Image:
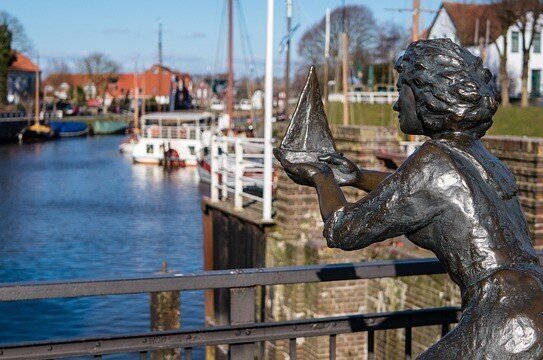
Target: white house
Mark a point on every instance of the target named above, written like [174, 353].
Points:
[461, 23]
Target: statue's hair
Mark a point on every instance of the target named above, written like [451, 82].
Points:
[451, 87]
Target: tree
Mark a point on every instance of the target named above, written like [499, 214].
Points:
[101, 71]
[20, 41]
[6, 59]
[12, 37]
[360, 26]
[60, 71]
[390, 42]
[527, 15]
[506, 17]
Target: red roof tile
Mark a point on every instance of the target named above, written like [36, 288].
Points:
[464, 17]
[22, 63]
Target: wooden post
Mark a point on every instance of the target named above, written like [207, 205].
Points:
[345, 50]
[326, 60]
[165, 315]
[230, 87]
[416, 20]
[287, 59]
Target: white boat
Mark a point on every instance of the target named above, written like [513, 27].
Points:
[128, 145]
[174, 136]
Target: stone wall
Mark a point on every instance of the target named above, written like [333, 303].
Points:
[297, 240]
[524, 157]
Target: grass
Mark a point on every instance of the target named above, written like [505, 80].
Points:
[507, 121]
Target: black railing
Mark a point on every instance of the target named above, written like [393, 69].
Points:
[243, 333]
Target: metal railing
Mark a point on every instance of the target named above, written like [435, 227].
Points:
[243, 333]
[237, 168]
[369, 97]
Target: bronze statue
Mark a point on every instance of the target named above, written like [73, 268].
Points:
[451, 197]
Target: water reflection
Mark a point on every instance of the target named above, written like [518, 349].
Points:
[78, 209]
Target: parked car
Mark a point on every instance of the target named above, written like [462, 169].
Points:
[217, 105]
[245, 105]
[67, 109]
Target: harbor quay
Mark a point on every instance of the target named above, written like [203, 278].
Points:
[288, 293]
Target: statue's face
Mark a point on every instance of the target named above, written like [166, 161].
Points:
[407, 112]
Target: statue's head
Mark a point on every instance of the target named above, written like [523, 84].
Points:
[443, 88]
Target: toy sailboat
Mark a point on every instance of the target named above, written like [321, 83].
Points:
[308, 135]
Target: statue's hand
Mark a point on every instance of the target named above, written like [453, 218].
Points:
[303, 173]
[346, 172]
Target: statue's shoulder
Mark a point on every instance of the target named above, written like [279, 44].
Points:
[430, 153]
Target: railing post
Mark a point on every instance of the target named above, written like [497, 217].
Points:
[165, 315]
[242, 311]
[224, 169]
[238, 189]
[372, 100]
[214, 164]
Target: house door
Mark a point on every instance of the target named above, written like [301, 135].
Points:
[536, 82]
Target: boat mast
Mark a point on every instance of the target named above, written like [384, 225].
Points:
[230, 88]
[136, 99]
[160, 65]
[37, 94]
[287, 60]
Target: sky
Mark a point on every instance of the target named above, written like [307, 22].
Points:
[193, 30]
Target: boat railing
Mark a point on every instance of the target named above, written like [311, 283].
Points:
[182, 132]
[237, 169]
[369, 97]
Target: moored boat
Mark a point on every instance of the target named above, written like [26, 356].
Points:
[109, 127]
[70, 128]
[174, 137]
[128, 145]
[36, 132]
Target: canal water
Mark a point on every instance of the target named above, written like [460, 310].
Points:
[77, 208]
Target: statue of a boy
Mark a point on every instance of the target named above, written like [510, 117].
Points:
[451, 197]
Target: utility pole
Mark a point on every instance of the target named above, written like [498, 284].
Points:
[230, 87]
[416, 20]
[416, 11]
[160, 65]
[326, 59]
[287, 60]
[345, 53]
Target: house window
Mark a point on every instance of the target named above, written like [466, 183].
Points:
[514, 42]
[537, 43]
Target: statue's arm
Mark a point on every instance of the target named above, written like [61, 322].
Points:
[368, 180]
[402, 203]
[347, 173]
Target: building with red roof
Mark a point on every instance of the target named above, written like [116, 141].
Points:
[21, 79]
[478, 28]
[155, 83]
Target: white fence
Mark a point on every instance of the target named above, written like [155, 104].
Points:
[369, 97]
[237, 169]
